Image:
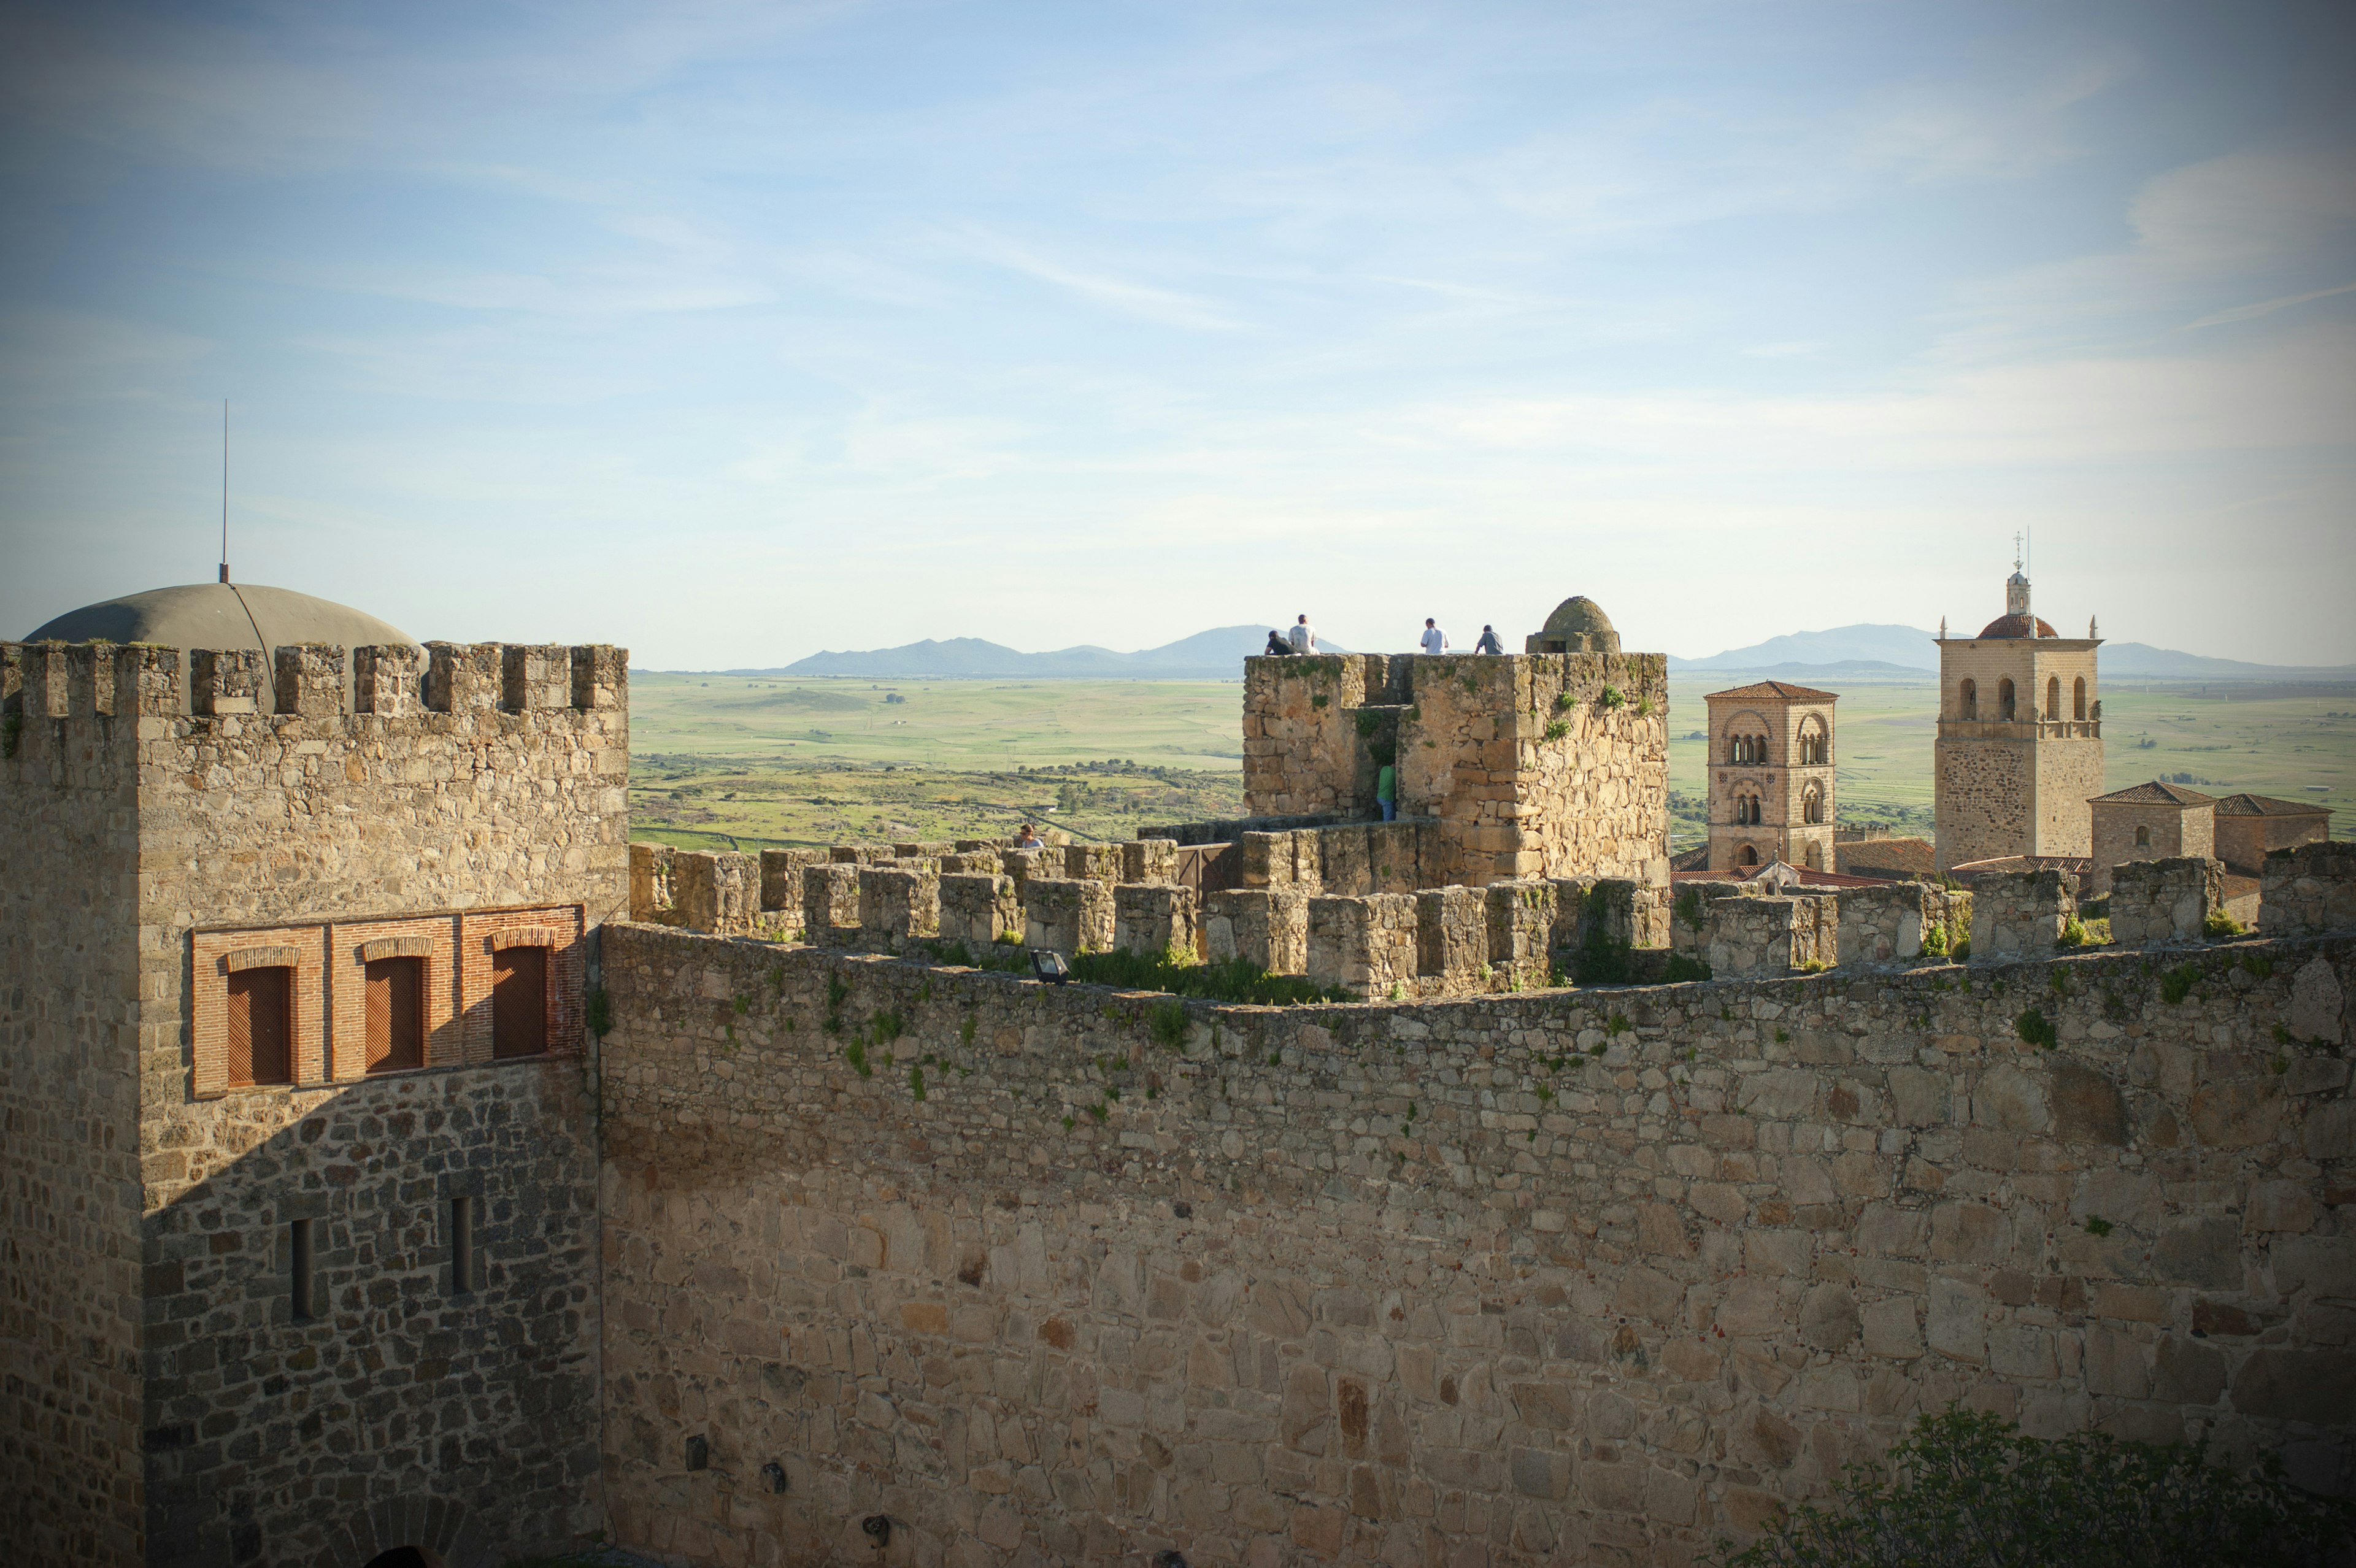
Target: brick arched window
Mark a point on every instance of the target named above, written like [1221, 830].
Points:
[2143, 837]
[1967, 698]
[1812, 805]
[2052, 696]
[395, 1016]
[519, 1001]
[260, 1032]
[2004, 702]
[1750, 856]
[2078, 699]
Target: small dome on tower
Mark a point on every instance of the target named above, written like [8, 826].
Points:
[1577, 625]
[222, 616]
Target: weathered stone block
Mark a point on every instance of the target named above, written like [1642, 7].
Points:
[2020, 915]
[1067, 915]
[898, 905]
[1097, 861]
[718, 894]
[309, 679]
[1268, 928]
[1363, 945]
[1884, 925]
[781, 882]
[652, 898]
[2309, 889]
[1154, 919]
[1451, 940]
[1521, 917]
[1149, 860]
[1768, 936]
[831, 904]
[977, 909]
[2159, 901]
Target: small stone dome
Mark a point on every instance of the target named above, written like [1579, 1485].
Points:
[1577, 625]
[2022, 626]
[222, 616]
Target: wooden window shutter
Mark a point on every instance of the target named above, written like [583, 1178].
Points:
[396, 1014]
[261, 1027]
[519, 1001]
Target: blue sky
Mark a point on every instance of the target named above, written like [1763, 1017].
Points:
[732, 333]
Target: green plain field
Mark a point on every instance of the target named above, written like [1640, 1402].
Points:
[720, 759]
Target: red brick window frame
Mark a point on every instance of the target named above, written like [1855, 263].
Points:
[433, 941]
[216, 954]
[561, 931]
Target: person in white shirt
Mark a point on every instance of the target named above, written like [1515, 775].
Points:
[1302, 637]
[1028, 840]
[1435, 641]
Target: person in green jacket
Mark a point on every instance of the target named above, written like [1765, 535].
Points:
[1386, 792]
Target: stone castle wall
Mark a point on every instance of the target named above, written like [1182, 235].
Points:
[69, 1008]
[470, 777]
[1527, 1278]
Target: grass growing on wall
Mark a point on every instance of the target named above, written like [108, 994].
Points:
[1965, 1489]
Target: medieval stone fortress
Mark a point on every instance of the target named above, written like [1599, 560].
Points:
[401, 1168]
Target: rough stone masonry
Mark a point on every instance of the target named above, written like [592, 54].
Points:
[1064, 1275]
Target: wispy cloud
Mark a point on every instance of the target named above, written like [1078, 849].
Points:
[1167, 306]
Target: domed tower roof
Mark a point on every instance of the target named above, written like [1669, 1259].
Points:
[1577, 625]
[222, 616]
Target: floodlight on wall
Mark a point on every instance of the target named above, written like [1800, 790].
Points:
[1049, 966]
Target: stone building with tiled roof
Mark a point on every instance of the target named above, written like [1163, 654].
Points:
[2153, 821]
[2249, 827]
[2019, 750]
[1771, 776]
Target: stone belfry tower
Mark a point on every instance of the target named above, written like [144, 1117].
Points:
[2020, 738]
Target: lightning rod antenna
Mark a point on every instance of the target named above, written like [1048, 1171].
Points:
[224, 560]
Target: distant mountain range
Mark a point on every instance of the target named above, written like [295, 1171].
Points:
[1216, 654]
[1863, 651]
[1891, 652]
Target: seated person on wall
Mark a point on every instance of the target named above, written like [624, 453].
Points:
[1276, 646]
[1303, 635]
[1489, 643]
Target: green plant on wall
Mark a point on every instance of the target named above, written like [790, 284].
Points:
[1610, 698]
[1966, 1490]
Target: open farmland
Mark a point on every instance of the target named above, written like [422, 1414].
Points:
[720, 759]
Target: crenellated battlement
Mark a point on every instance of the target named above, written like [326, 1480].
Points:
[310, 681]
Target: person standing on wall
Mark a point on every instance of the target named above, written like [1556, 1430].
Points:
[1435, 641]
[1488, 643]
[1304, 637]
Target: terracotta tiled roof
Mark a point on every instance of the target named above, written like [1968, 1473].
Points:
[2155, 793]
[2018, 626]
[1773, 691]
[1898, 857]
[2267, 805]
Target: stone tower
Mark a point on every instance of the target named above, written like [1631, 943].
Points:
[294, 974]
[2019, 752]
[1771, 776]
[1548, 763]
